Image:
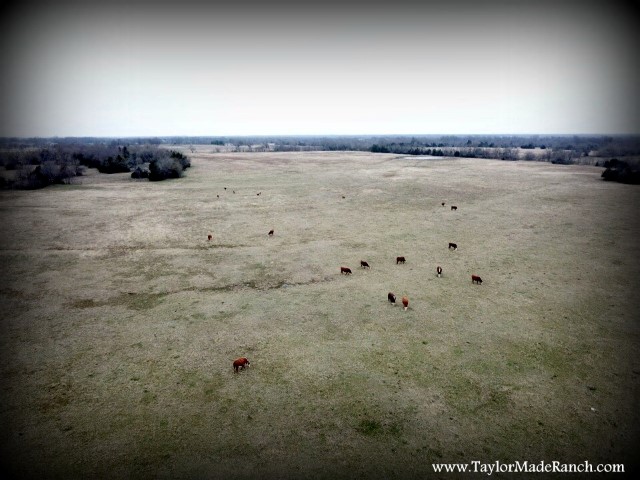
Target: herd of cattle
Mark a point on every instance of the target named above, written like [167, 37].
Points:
[401, 260]
[242, 362]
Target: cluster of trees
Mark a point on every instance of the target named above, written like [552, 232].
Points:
[36, 166]
[621, 171]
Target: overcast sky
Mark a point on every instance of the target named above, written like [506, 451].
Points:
[182, 68]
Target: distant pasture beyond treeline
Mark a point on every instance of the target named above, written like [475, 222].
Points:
[37, 162]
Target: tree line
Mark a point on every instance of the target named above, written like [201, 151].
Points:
[42, 161]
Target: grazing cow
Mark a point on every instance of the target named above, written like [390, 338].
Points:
[258, 193]
[392, 298]
[443, 204]
[453, 245]
[476, 279]
[405, 302]
[240, 364]
[271, 233]
[209, 237]
[439, 270]
[400, 260]
[453, 207]
[364, 264]
[345, 270]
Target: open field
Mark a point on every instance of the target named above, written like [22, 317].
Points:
[120, 320]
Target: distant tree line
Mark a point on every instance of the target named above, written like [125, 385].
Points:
[43, 161]
[37, 167]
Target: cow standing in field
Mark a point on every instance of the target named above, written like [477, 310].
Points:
[240, 364]
[439, 270]
[476, 279]
[453, 207]
[271, 233]
[400, 260]
[364, 264]
[405, 302]
[443, 204]
[392, 298]
[209, 237]
[453, 245]
[345, 270]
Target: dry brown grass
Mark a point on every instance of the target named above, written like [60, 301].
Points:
[120, 320]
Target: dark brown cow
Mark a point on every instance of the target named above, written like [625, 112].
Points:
[392, 298]
[453, 245]
[439, 270]
[240, 364]
[453, 207]
[345, 270]
[476, 279]
[400, 260]
[364, 264]
[209, 237]
[271, 233]
[443, 204]
[405, 302]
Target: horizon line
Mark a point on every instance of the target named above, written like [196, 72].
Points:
[261, 135]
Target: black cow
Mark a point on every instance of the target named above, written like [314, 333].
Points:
[364, 264]
[400, 260]
[453, 245]
[392, 298]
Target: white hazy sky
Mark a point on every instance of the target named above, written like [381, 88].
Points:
[183, 68]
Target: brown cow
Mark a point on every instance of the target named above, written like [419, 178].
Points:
[271, 233]
[209, 237]
[392, 298]
[400, 260]
[405, 302]
[476, 279]
[453, 207]
[439, 270]
[240, 364]
[453, 245]
[364, 264]
[345, 270]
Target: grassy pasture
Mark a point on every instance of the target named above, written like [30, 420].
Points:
[120, 320]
